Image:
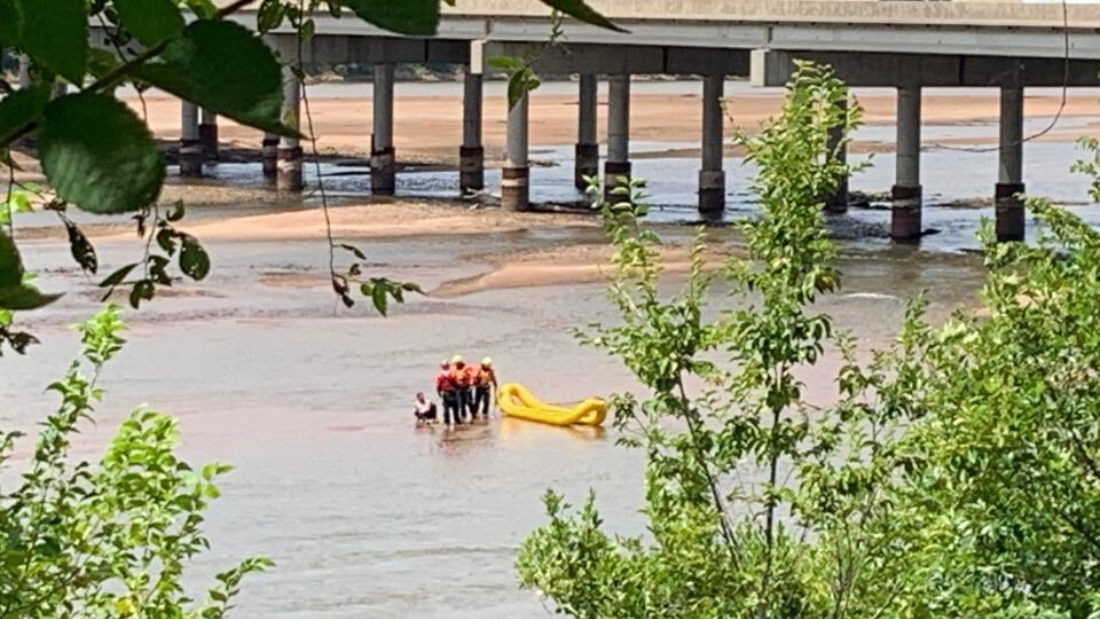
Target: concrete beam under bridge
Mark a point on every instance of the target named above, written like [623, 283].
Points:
[625, 59]
[341, 49]
[774, 68]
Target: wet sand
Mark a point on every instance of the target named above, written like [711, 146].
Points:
[428, 128]
[386, 221]
[572, 264]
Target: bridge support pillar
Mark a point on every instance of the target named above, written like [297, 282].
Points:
[288, 170]
[383, 162]
[269, 154]
[190, 146]
[586, 162]
[208, 134]
[1009, 208]
[712, 178]
[471, 163]
[905, 220]
[514, 185]
[616, 169]
[838, 202]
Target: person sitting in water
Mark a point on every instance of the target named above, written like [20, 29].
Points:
[425, 410]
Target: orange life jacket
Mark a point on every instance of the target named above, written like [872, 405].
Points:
[461, 377]
[484, 376]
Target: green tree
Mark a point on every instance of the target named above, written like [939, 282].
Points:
[1005, 462]
[100, 157]
[723, 546]
[956, 475]
[109, 540]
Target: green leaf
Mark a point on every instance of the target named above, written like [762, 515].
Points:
[21, 107]
[203, 9]
[166, 240]
[25, 298]
[118, 276]
[55, 34]
[381, 301]
[412, 17]
[11, 263]
[270, 16]
[510, 64]
[225, 68]
[358, 253]
[194, 261]
[81, 248]
[101, 62]
[11, 23]
[177, 212]
[305, 34]
[158, 270]
[516, 89]
[578, 9]
[15, 293]
[142, 291]
[98, 155]
[150, 21]
[7, 160]
[521, 83]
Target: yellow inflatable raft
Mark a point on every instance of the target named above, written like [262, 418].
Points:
[516, 401]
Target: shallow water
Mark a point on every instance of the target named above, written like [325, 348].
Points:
[365, 515]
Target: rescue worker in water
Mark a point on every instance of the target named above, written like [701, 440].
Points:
[463, 379]
[449, 392]
[484, 387]
[465, 390]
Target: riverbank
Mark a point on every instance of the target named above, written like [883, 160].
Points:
[428, 118]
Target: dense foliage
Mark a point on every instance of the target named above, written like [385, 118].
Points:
[955, 475]
[98, 155]
[110, 540]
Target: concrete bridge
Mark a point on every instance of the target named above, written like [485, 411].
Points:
[902, 44]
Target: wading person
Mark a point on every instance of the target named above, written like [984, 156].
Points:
[485, 384]
[425, 410]
[447, 389]
[460, 376]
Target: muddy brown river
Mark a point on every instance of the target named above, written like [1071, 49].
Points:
[365, 515]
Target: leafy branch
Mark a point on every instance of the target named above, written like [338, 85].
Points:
[110, 539]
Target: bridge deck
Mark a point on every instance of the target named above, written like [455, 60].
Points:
[989, 28]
